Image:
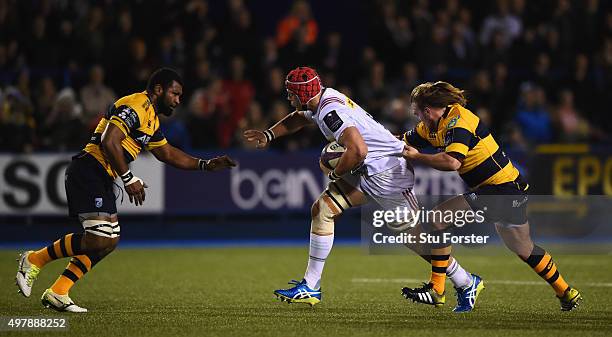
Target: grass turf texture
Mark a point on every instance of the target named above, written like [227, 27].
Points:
[228, 291]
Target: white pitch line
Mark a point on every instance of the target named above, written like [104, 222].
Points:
[511, 282]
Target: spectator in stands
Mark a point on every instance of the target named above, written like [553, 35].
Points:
[501, 22]
[532, 116]
[332, 56]
[203, 74]
[206, 107]
[298, 21]
[397, 115]
[408, 79]
[434, 54]
[62, 129]
[138, 68]
[175, 130]
[270, 55]
[92, 35]
[481, 92]
[96, 97]
[240, 92]
[503, 100]
[17, 123]
[45, 98]
[373, 91]
[462, 50]
[298, 50]
[253, 118]
[39, 46]
[570, 125]
[240, 37]
[582, 84]
[273, 88]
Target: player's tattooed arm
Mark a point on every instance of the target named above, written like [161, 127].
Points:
[179, 159]
[111, 146]
[293, 122]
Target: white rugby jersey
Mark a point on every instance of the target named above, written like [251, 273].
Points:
[336, 112]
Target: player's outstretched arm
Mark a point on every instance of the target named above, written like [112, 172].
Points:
[111, 145]
[179, 159]
[286, 126]
[442, 161]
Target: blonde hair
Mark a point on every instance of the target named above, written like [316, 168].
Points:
[437, 95]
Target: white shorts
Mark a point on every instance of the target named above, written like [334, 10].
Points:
[390, 189]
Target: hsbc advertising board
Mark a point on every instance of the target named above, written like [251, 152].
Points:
[34, 185]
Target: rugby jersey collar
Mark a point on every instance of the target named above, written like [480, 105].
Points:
[320, 101]
[444, 115]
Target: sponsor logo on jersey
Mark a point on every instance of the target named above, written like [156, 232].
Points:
[333, 121]
[128, 116]
[98, 202]
[448, 138]
[144, 139]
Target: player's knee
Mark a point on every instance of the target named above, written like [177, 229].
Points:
[101, 236]
[323, 215]
[314, 210]
[522, 250]
[110, 247]
[95, 244]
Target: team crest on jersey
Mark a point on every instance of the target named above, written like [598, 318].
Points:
[452, 122]
[333, 121]
[98, 202]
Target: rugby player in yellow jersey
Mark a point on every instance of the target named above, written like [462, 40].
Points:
[465, 145]
[129, 126]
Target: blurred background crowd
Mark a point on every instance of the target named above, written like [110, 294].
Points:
[534, 71]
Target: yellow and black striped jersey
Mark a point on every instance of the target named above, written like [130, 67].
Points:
[135, 116]
[460, 132]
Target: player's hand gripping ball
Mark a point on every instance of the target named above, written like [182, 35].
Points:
[330, 156]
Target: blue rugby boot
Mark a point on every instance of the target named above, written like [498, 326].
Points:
[466, 298]
[300, 293]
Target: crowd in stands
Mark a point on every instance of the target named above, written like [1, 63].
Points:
[535, 71]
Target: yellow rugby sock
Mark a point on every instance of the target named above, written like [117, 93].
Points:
[542, 263]
[68, 245]
[439, 262]
[77, 268]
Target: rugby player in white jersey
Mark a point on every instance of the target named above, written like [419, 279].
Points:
[371, 168]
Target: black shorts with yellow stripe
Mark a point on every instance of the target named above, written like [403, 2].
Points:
[504, 203]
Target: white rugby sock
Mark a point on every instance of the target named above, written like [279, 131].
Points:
[459, 276]
[320, 246]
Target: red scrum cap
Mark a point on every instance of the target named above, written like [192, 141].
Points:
[304, 82]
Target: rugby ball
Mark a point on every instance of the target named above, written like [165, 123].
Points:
[330, 156]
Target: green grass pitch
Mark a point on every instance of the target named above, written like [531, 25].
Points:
[228, 292]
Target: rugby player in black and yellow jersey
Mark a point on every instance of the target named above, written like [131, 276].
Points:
[465, 145]
[130, 126]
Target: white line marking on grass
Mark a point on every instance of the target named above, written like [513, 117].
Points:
[510, 282]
